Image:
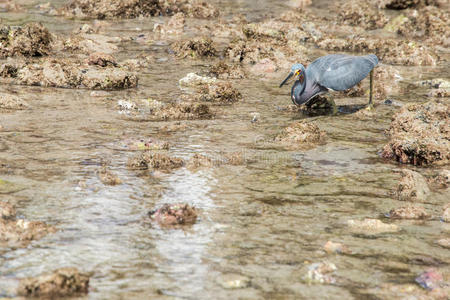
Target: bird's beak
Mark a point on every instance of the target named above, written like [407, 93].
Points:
[287, 78]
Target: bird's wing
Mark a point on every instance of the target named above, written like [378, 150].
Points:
[340, 72]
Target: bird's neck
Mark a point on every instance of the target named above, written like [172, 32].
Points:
[297, 90]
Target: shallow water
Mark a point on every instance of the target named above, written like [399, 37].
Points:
[265, 220]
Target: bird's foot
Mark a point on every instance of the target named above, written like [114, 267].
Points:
[369, 107]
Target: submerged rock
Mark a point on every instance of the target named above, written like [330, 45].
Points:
[420, 135]
[107, 177]
[370, 227]
[63, 282]
[146, 144]
[32, 39]
[192, 80]
[195, 48]
[338, 248]
[430, 279]
[408, 212]
[199, 161]
[412, 187]
[439, 93]
[441, 180]
[7, 210]
[321, 272]
[233, 281]
[154, 161]
[446, 214]
[444, 243]
[174, 214]
[12, 102]
[301, 135]
[67, 73]
[21, 232]
[101, 9]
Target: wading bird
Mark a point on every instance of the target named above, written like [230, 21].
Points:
[337, 72]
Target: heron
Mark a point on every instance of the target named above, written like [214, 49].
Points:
[336, 72]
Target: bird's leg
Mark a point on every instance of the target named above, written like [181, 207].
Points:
[370, 106]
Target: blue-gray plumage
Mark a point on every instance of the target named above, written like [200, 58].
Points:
[337, 72]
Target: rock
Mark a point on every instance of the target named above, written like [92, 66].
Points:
[32, 39]
[331, 247]
[301, 135]
[222, 92]
[154, 161]
[444, 243]
[192, 80]
[446, 214]
[101, 59]
[146, 144]
[439, 93]
[107, 177]
[266, 30]
[179, 111]
[394, 24]
[234, 158]
[100, 94]
[397, 4]
[419, 134]
[177, 126]
[67, 73]
[264, 67]
[441, 180]
[412, 187]
[233, 281]
[437, 83]
[199, 161]
[359, 13]
[430, 279]
[7, 211]
[174, 26]
[370, 227]
[63, 282]
[222, 70]
[12, 102]
[89, 44]
[195, 48]
[174, 214]
[21, 232]
[320, 273]
[408, 212]
[388, 50]
[101, 9]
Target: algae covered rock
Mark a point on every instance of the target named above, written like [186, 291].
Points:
[154, 161]
[301, 135]
[32, 39]
[174, 214]
[420, 134]
[408, 212]
[106, 9]
[68, 73]
[412, 187]
[63, 282]
[195, 48]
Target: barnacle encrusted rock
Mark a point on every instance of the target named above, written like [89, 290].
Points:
[420, 134]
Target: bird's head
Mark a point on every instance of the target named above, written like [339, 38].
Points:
[297, 71]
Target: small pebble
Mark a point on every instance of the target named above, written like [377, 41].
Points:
[233, 281]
